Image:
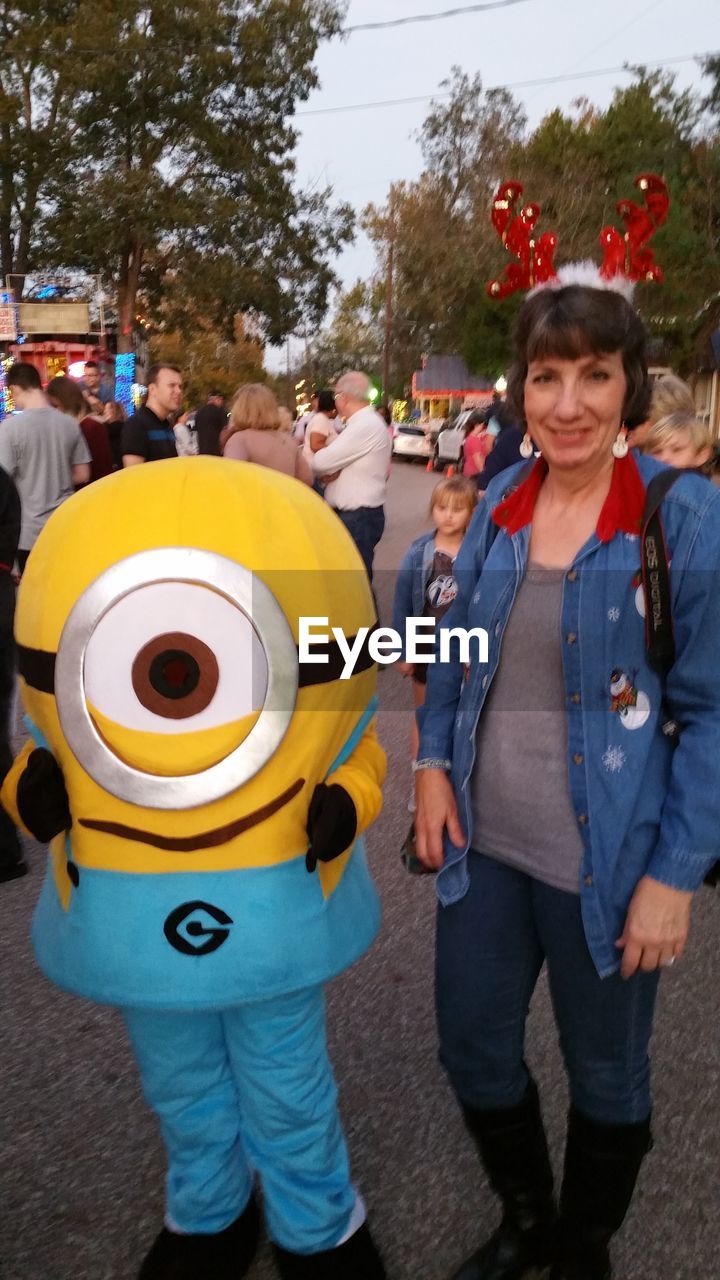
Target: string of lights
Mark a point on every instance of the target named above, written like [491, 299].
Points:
[515, 84]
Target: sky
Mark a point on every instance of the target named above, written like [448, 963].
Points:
[359, 153]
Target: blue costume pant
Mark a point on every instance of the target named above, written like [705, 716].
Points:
[242, 1091]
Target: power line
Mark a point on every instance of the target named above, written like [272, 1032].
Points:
[517, 84]
[181, 47]
[430, 17]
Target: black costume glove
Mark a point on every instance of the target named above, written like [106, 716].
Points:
[332, 824]
[42, 800]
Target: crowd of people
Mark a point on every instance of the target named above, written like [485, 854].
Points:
[589, 743]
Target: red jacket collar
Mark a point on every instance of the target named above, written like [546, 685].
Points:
[622, 510]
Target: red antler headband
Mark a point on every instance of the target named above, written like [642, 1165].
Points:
[626, 256]
[534, 257]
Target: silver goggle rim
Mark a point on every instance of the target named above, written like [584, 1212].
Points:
[254, 600]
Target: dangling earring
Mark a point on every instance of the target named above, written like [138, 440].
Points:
[620, 447]
[526, 446]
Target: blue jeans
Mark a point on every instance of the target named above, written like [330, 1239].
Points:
[491, 946]
[365, 526]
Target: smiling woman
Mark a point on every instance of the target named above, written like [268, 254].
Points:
[566, 827]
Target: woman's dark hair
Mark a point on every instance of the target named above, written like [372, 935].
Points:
[325, 401]
[476, 417]
[576, 321]
[67, 395]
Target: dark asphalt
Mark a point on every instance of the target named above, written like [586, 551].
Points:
[81, 1164]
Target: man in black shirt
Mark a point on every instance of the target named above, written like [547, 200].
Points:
[11, 859]
[210, 420]
[148, 436]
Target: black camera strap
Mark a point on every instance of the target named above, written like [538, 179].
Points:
[659, 638]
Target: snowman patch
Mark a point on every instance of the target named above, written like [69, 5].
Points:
[628, 702]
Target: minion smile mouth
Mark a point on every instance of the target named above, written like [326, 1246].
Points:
[204, 839]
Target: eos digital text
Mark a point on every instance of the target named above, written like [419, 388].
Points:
[386, 645]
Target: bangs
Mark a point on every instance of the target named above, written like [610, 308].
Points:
[560, 336]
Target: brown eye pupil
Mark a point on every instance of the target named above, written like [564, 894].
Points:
[174, 674]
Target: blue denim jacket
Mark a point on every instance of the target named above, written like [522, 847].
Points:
[642, 805]
[412, 579]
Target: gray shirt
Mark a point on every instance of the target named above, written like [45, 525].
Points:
[38, 448]
[520, 790]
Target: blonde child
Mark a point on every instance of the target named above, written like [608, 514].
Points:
[681, 440]
[425, 586]
[669, 395]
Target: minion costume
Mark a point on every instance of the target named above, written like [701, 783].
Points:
[203, 790]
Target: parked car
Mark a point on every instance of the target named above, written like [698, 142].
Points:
[411, 441]
[449, 446]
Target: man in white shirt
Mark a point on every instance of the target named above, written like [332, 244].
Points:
[358, 462]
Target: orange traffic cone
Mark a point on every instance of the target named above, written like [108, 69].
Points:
[429, 466]
[450, 471]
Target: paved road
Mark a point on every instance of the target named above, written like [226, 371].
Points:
[81, 1166]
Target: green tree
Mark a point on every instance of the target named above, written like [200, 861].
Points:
[181, 151]
[576, 165]
[40, 88]
[352, 339]
[443, 239]
[210, 359]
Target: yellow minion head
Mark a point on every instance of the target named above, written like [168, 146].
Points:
[158, 625]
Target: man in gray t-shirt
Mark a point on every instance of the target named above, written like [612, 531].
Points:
[43, 450]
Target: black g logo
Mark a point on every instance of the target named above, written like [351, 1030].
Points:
[188, 931]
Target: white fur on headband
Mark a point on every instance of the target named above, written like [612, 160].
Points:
[588, 275]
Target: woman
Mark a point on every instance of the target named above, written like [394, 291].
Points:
[506, 448]
[253, 434]
[65, 395]
[573, 832]
[321, 428]
[114, 416]
[478, 443]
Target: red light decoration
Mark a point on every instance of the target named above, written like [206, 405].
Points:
[626, 254]
[534, 263]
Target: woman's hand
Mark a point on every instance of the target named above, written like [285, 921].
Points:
[656, 927]
[436, 811]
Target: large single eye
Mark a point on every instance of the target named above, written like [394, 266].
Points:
[168, 641]
[171, 657]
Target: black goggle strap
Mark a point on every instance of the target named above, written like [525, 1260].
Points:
[37, 666]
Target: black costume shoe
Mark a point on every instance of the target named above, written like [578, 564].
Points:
[356, 1259]
[514, 1153]
[602, 1162]
[226, 1255]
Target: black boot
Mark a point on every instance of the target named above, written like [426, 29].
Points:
[514, 1153]
[226, 1255]
[356, 1259]
[602, 1162]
